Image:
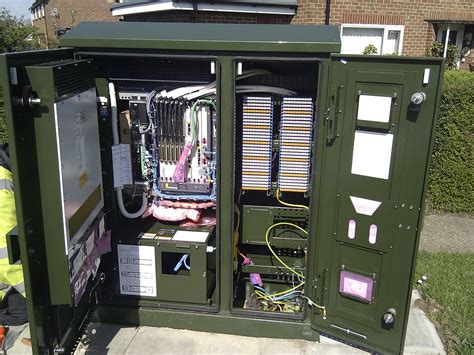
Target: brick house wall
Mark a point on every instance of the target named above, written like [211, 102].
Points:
[71, 12]
[209, 17]
[419, 33]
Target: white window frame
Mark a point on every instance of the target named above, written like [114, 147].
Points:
[385, 28]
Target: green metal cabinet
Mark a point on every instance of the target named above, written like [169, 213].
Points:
[368, 181]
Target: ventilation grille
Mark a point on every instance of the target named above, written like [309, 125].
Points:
[160, 70]
[72, 79]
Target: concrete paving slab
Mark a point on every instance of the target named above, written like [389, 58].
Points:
[18, 347]
[422, 337]
[185, 342]
[114, 339]
[107, 339]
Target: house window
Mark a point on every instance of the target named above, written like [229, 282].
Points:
[456, 35]
[388, 39]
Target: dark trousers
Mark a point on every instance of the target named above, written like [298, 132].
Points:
[13, 309]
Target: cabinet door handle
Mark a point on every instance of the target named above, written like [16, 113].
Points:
[332, 115]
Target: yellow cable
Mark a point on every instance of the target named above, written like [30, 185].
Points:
[242, 255]
[288, 204]
[274, 254]
[289, 268]
[281, 293]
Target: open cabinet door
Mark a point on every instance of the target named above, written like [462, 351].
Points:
[50, 105]
[381, 114]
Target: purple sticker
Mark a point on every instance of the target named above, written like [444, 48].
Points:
[355, 285]
[104, 243]
[255, 279]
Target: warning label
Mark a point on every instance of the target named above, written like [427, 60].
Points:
[137, 270]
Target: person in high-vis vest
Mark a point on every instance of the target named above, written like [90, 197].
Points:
[12, 287]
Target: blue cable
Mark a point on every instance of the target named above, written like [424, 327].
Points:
[185, 262]
[181, 262]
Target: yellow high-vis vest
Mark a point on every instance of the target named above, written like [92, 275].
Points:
[10, 275]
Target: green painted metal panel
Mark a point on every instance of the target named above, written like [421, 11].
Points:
[389, 263]
[389, 258]
[24, 144]
[204, 37]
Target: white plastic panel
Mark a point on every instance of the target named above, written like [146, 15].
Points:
[372, 154]
[374, 108]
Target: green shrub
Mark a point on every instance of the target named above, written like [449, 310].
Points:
[437, 50]
[452, 171]
[370, 49]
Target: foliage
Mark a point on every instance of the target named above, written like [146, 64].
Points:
[448, 295]
[370, 49]
[16, 35]
[451, 181]
[437, 50]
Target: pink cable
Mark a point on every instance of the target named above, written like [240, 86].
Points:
[178, 175]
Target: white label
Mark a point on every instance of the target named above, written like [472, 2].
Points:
[426, 76]
[239, 68]
[190, 236]
[122, 165]
[101, 227]
[372, 154]
[365, 206]
[137, 270]
[90, 243]
[374, 108]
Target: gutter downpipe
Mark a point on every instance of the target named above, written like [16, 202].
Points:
[328, 12]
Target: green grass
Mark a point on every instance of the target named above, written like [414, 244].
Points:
[449, 296]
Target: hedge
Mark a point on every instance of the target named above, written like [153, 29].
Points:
[452, 170]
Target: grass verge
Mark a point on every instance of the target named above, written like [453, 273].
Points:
[449, 297]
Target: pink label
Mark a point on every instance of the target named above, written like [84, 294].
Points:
[355, 287]
[351, 230]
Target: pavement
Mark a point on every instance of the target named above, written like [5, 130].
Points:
[448, 232]
[440, 233]
[114, 339]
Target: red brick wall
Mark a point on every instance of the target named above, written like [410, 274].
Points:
[209, 17]
[71, 13]
[418, 34]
